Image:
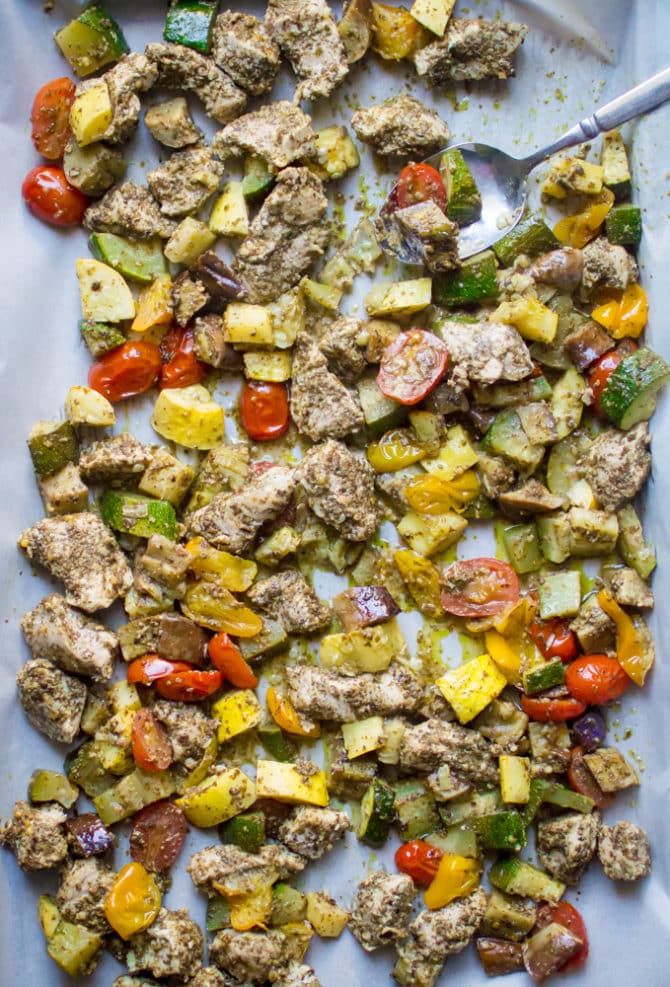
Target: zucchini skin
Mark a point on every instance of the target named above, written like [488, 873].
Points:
[624, 225]
[189, 22]
[629, 396]
[531, 236]
[377, 814]
[474, 282]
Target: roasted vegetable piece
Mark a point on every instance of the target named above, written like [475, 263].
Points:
[395, 32]
[395, 450]
[582, 781]
[630, 390]
[456, 877]
[52, 786]
[549, 951]
[50, 197]
[531, 236]
[74, 948]
[567, 915]
[355, 29]
[420, 183]
[596, 679]
[634, 654]
[499, 957]
[50, 117]
[420, 860]
[190, 686]
[246, 831]
[91, 40]
[135, 514]
[411, 366]
[134, 901]
[264, 409]
[472, 283]
[479, 588]
[87, 836]
[364, 606]
[377, 813]
[227, 658]
[152, 750]
[285, 716]
[158, 835]
[552, 710]
[189, 22]
[130, 369]
[219, 797]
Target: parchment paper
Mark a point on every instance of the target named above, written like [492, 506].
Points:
[577, 55]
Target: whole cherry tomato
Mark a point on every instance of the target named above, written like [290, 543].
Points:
[581, 779]
[49, 196]
[50, 117]
[411, 366]
[152, 750]
[264, 409]
[566, 915]
[182, 368]
[596, 679]
[479, 587]
[554, 638]
[227, 658]
[420, 183]
[189, 687]
[134, 901]
[551, 710]
[420, 860]
[158, 835]
[151, 667]
[132, 368]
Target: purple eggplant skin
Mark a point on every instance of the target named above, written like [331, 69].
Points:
[499, 957]
[87, 836]
[364, 606]
[549, 950]
[589, 731]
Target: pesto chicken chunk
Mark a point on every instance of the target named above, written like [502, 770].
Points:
[84, 885]
[381, 908]
[340, 490]
[59, 633]
[280, 133]
[307, 35]
[326, 695]
[53, 701]
[312, 832]
[288, 596]
[183, 68]
[243, 48]
[401, 125]
[624, 852]
[36, 836]
[471, 50]
[186, 181]
[129, 210]
[171, 947]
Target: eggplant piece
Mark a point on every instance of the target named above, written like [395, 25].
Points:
[499, 957]
[561, 268]
[356, 29]
[180, 639]
[364, 606]
[549, 950]
[87, 836]
[218, 279]
[211, 346]
[587, 343]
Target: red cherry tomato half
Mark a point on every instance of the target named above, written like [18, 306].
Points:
[49, 196]
[132, 368]
[602, 370]
[411, 366]
[418, 859]
[552, 710]
[264, 409]
[151, 667]
[420, 183]
[479, 588]
[152, 750]
[566, 915]
[554, 638]
[596, 679]
[581, 779]
[158, 835]
[227, 658]
[189, 687]
[50, 117]
[182, 367]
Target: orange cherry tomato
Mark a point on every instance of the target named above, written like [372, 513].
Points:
[554, 638]
[420, 183]
[190, 686]
[134, 901]
[596, 679]
[49, 196]
[50, 117]
[152, 750]
[132, 368]
[581, 779]
[182, 368]
[264, 409]
[411, 366]
[420, 860]
[479, 588]
[566, 915]
[151, 667]
[227, 658]
[552, 710]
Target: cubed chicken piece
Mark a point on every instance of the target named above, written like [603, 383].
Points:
[251, 956]
[280, 133]
[297, 975]
[82, 552]
[209, 976]
[184, 182]
[429, 235]
[36, 836]
[133, 74]
[401, 125]
[565, 846]
[340, 489]
[593, 627]
[115, 462]
[171, 947]
[84, 885]
[531, 497]
[606, 265]
[628, 588]
[228, 866]
[288, 234]
[62, 635]
[129, 210]
[231, 521]
[307, 35]
[188, 728]
[288, 596]
[321, 406]
[471, 50]
[427, 745]
[550, 746]
[504, 725]
[495, 475]
[340, 345]
[311, 832]
[242, 47]
[183, 68]
[166, 477]
[611, 770]
[324, 695]
[488, 351]
[624, 851]
[381, 908]
[161, 568]
[53, 701]
[189, 296]
[171, 125]
[617, 465]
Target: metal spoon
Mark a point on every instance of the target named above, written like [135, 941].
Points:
[503, 180]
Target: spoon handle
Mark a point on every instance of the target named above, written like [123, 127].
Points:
[636, 102]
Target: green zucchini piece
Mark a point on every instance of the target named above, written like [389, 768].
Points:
[562, 469]
[480, 509]
[52, 786]
[189, 22]
[616, 175]
[632, 547]
[457, 839]
[517, 877]
[630, 393]
[131, 793]
[258, 179]
[544, 676]
[537, 789]
[500, 830]
[560, 594]
[271, 639]
[48, 915]
[567, 406]
[380, 413]
[138, 260]
[471, 284]
[83, 768]
[553, 532]
[508, 917]
[624, 225]
[91, 40]
[523, 548]
[218, 914]
[506, 437]
[134, 514]
[52, 445]
[469, 807]
[100, 337]
[346, 778]
[463, 197]
[506, 395]
[74, 948]
[557, 794]
[246, 831]
[288, 905]
[378, 811]
[415, 808]
[276, 743]
[531, 236]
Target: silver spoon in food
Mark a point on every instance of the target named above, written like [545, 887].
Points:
[502, 181]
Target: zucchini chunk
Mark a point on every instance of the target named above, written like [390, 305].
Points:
[616, 170]
[91, 40]
[531, 236]
[630, 394]
[473, 282]
[377, 814]
[134, 514]
[464, 201]
[190, 22]
[137, 260]
[624, 225]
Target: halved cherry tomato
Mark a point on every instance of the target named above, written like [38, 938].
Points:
[50, 117]
[602, 370]
[479, 588]
[189, 687]
[420, 860]
[596, 679]
[151, 667]
[227, 658]
[182, 368]
[152, 750]
[132, 368]
[551, 710]
[264, 409]
[420, 183]
[158, 835]
[581, 779]
[566, 915]
[49, 196]
[554, 638]
[411, 366]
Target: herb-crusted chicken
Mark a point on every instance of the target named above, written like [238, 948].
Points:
[288, 596]
[380, 909]
[118, 461]
[183, 68]
[129, 210]
[36, 836]
[280, 133]
[307, 35]
[326, 695]
[312, 832]
[471, 50]
[427, 745]
[624, 852]
[340, 490]
[53, 701]
[401, 125]
[171, 947]
[84, 885]
[186, 181]
[243, 48]
[321, 406]
[59, 633]
[566, 846]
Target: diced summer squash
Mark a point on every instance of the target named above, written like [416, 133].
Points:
[508, 917]
[581, 494]
[246, 831]
[415, 808]
[258, 179]
[191, 238]
[270, 639]
[630, 394]
[232, 572]
[267, 366]
[543, 676]
[248, 325]
[137, 260]
[458, 839]
[251, 911]
[531, 236]
[48, 915]
[472, 283]
[455, 456]
[91, 40]
[616, 170]
[190, 22]
[506, 654]
[514, 778]
[470, 806]
[464, 201]
[377, 813]
[399, 298]
[506, 437]
[84, 406]
[134, 514]
[91, 114]
[472, 686]
[395, 33]
[556, 794]
[500, 830]
[52, 786]
[360, 252]
[300, 783]
[288, 905]
[237, 712]
[230, 215]
[124, 697]
[533, 319]
[335, 153]
[433, 14]
[189, 416]
[562, 469]
[592, 532]
[380, 413]
[211, 605]
[567, 405]
[100, 338]
[321, 295]
[573, 175]
[275, 742]
[218, 798]
[105, 296]
[52, 445]
[154, 305]
[523, 548]
[325, 916]
[287, 314]
[427, 534]
[74, 948]
[624, 225]
[370, 649]
[634, 550]
[131, 793]
[166, 478]
[517, 877]
[63, 492]
[282, 542]
[560, 594]
[505, 395]
[363, 736]
[611, 770]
